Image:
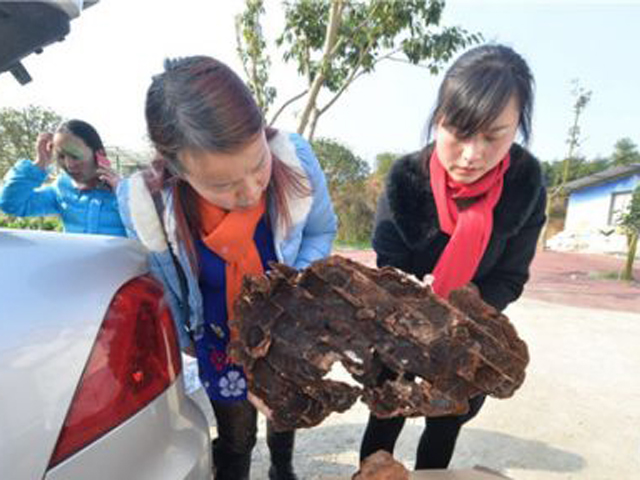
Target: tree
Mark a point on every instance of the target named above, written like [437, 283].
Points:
[19, 129]
[251, 48]
[383, 164]
[625, 152]
[630, 222]
[574, 140]
[580, 167]
[334, 42]
[351, 192]
[375, 184]
[340, 165]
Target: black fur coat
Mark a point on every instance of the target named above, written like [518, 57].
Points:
[407, 231]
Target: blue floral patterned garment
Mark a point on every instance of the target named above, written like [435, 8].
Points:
[222, 380]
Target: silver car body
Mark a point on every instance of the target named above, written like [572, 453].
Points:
[56, 289]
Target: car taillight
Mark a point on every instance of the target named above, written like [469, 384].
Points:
[135, 358]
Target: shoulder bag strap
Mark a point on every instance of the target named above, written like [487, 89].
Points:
[183, 301]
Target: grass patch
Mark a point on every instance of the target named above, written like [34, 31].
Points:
[343, 245]
[608, 275]
[31, 223]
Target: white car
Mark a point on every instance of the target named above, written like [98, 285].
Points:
[91, 380]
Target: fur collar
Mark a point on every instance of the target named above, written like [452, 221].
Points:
[284, 148]
[413, 207]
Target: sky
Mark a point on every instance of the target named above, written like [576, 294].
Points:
[100, 73]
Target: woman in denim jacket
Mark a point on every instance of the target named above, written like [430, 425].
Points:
[234, 196]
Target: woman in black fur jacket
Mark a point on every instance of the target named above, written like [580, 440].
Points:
[467, 208]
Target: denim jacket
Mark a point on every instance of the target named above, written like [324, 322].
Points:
[82, 211]
[309, 238]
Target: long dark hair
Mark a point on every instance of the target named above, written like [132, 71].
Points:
[478, 86]
[85, 132]
[198, 103]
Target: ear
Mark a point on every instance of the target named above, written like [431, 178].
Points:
[176, 169]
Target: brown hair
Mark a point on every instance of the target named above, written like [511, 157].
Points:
[199, 104]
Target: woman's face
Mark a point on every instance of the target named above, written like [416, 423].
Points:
[468, 159]
[231, 181]
[75, 157]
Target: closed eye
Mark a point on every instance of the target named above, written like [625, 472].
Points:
[70, 156]
[262, 163]
[224, 186]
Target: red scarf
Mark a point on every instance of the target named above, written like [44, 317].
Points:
[470, 228]
[230, 236]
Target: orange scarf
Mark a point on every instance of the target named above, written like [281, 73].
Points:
[470, 229]
[230, 236]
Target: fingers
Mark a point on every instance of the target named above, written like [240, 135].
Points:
[44, 147]
[260, 405]
[44, 138]
[109, 176]
[106, 171]
[190, 350]
[45, 142]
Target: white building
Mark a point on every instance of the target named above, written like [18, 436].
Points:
[594, 208]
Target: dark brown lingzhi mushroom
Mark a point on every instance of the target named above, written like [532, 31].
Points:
[411, 352]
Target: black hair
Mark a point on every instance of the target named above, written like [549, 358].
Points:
[85, 132]
[478, 86]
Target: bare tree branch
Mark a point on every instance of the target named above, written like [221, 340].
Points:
[354, 74]
[341, 40]
[401, 60]
[286, 104]
[240, 48]
[330, 40]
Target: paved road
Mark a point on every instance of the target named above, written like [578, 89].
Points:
[576, 417]
[580, 280]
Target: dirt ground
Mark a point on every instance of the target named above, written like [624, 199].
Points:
[575, 417]
[580, 280]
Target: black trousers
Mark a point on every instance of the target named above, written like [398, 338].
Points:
[237, 424]
[437, 441]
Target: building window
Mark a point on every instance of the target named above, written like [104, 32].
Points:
[620, 203]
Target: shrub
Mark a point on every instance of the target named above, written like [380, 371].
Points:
[31, 223]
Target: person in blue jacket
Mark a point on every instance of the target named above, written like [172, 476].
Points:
[232, 195]
[82, 195]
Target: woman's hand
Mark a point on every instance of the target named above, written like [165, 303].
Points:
[44, 150]
[260, 405]
[109, 176]
[190, 350]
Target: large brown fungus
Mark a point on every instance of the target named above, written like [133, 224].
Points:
[410, 352]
